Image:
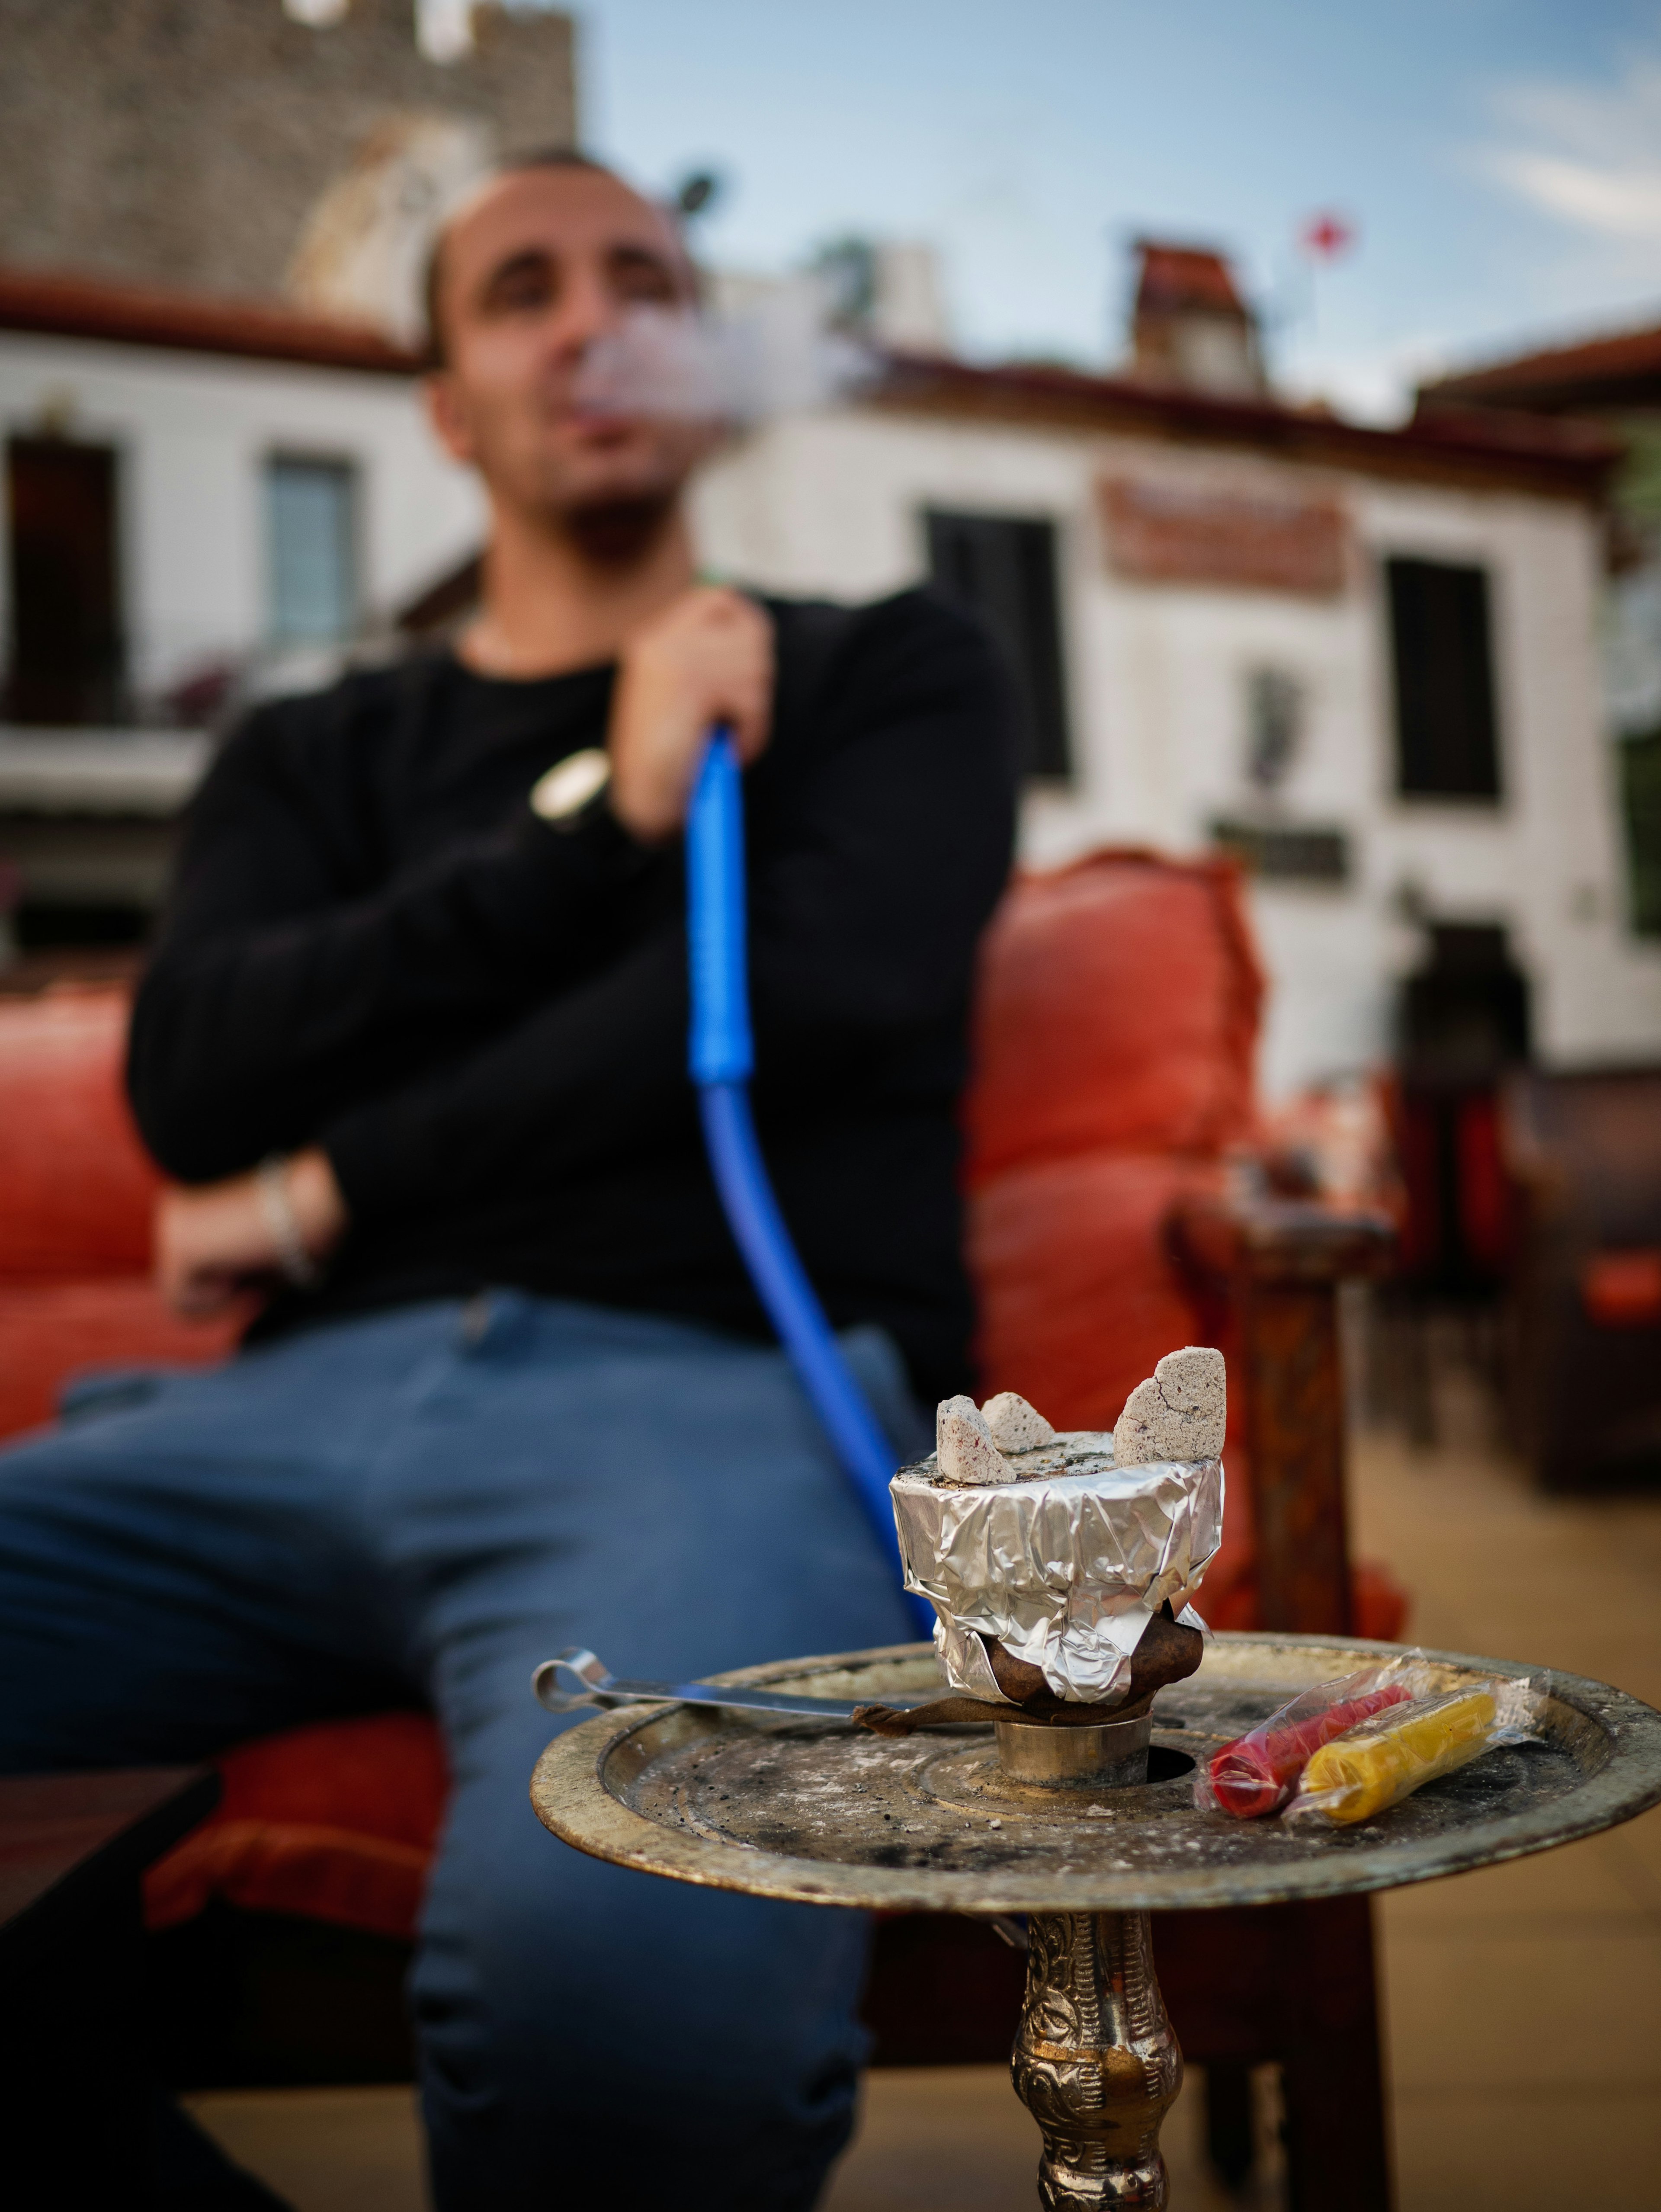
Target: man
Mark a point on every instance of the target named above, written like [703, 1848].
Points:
[412, 1042]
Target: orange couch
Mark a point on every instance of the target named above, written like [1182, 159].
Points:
[76, 1194]
[1115, 1034]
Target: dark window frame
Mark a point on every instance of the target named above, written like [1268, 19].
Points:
[1446, 707]
[1637, 763]
[92, 683]
[986, 571]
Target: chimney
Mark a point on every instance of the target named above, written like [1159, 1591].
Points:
[1189, 326]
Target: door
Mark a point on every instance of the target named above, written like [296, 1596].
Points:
[66, 662]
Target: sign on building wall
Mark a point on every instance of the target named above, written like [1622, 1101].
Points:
[1170, 533]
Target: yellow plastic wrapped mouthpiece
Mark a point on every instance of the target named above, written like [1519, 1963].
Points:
[1397, 1752]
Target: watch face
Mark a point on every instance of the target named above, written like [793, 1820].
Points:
[570, 784]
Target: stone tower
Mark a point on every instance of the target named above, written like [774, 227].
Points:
[1191, 326]
[186, 144]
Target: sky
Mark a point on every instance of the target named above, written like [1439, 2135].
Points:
[1499, 161]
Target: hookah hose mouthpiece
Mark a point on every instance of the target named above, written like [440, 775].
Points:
[721, 1059]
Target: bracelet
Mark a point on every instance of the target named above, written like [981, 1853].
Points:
[294, 1263]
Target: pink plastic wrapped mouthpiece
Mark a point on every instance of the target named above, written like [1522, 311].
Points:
[1257, 1772]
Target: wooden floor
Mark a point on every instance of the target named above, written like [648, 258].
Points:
[1524, 2004]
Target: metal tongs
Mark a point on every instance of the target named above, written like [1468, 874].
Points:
[597, 1685]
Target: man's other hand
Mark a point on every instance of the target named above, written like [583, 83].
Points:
[217, 1240]
[708, 658]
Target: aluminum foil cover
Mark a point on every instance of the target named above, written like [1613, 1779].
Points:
[1066, 1565]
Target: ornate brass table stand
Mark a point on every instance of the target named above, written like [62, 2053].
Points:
[1095, 2060]
[941, 1822]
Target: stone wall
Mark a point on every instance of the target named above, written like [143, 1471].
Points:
[183, 143]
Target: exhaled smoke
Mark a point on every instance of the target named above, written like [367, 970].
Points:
[779, 356]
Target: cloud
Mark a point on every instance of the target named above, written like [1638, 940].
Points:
[1622, 203]
[1366, 384]
[1589, 156]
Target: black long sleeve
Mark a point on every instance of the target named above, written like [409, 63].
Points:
[375, 945]
[290, 975]
[871, 874]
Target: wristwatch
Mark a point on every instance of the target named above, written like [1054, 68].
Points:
[573, 789]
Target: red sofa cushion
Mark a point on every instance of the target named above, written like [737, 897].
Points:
[336, 1821]
[1077, 1295]
[49, 1331]
[1622, 1290]
[77, 1188]
[1117, 1011]
[77, 1191]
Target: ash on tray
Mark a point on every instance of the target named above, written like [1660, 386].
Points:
[1061, 1565]
[834, 1797]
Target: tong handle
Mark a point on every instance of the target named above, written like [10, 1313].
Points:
[594, 1682]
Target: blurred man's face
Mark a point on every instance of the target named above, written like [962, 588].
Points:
[536, 269]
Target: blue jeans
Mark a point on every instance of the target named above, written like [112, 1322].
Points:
[422, 1504]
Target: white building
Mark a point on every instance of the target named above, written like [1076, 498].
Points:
[271, 481]
[1217, 603]
[1245, 622]
[202, 496]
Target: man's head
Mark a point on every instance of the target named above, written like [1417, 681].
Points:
[546, 257]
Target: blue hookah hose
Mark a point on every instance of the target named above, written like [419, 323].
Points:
[722, 1059]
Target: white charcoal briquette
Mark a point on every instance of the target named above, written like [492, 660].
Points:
[963, 1445]
[1014, 1425]
[1181, 1412]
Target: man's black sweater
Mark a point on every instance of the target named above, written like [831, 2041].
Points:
[374, 945]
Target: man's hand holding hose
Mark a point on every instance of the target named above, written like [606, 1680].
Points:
[706, 659]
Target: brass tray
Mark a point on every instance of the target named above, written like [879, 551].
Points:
[827, 1814]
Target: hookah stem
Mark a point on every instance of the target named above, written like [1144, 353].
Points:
[722, 1058]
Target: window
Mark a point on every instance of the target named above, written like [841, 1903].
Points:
[1641, 795]
[66, 662]
[1446, 745]
[1274, 725]
[1004, 567]
[311, 548]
